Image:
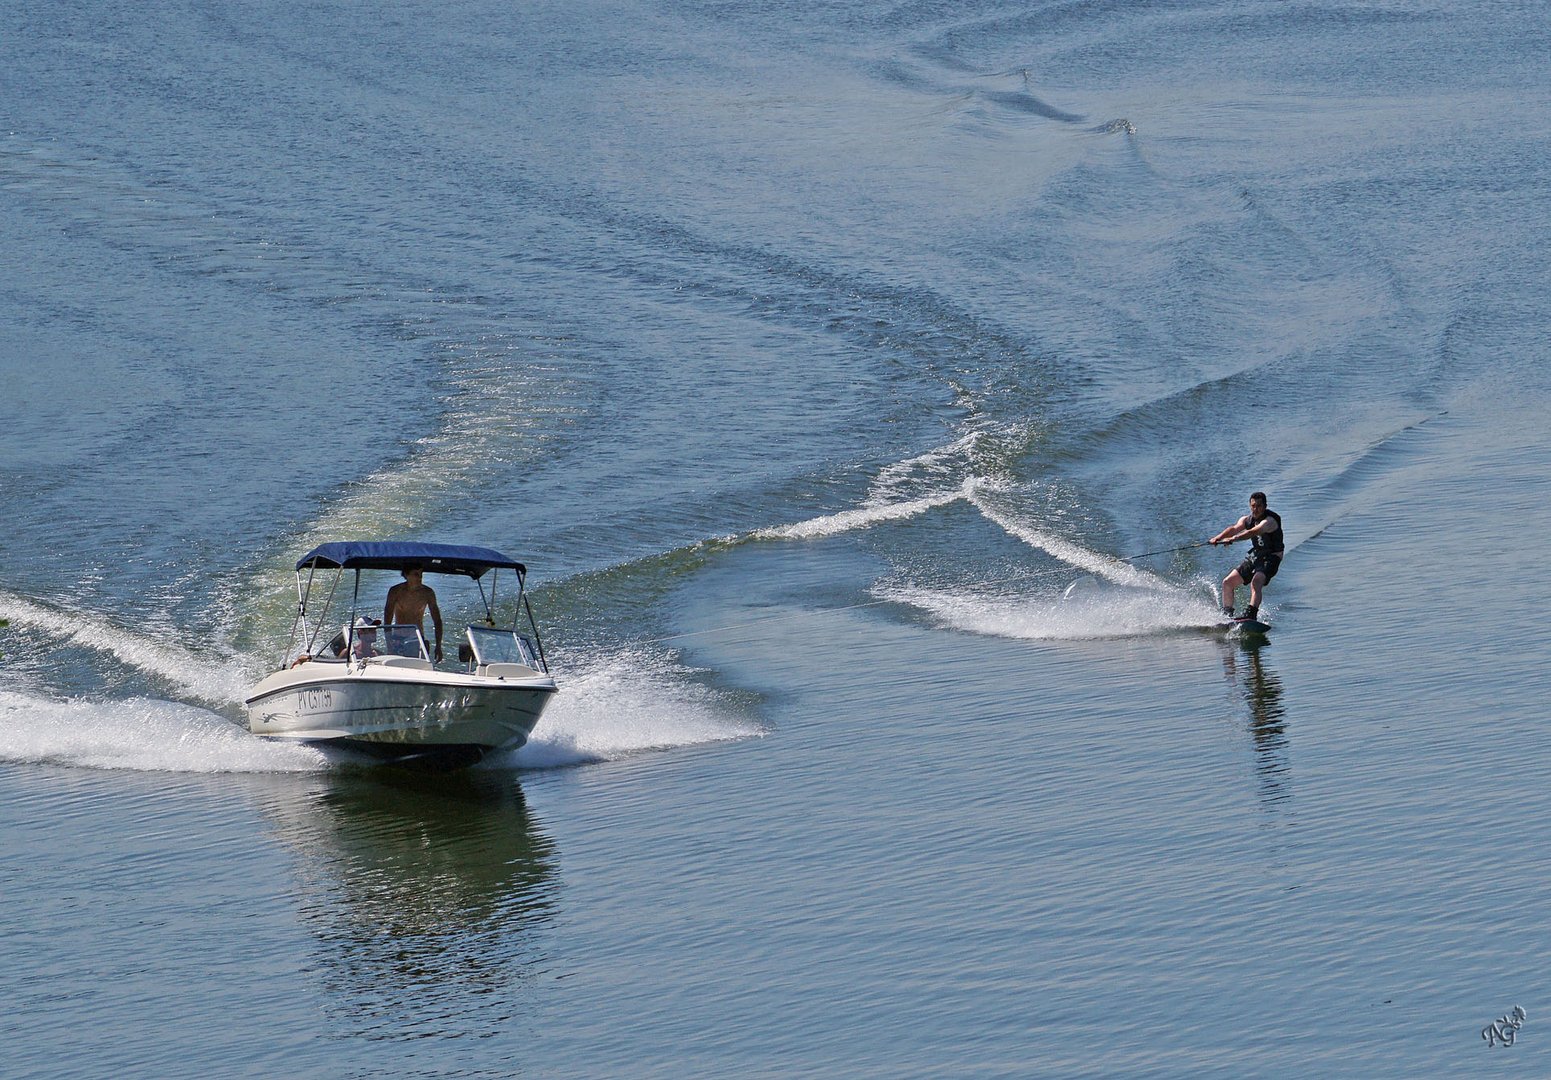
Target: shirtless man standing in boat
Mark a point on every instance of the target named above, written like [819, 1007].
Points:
[407, 603]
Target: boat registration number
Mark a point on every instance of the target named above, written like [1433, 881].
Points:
[315, 699]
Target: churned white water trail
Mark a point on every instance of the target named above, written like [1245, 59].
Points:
[624, 704]
[608, 708]
[212, 679]
[1108, 613]
[139, 734]
[933, 467]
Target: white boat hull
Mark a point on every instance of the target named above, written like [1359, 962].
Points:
[400, 708]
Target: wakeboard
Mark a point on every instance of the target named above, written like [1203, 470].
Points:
[1244, 626]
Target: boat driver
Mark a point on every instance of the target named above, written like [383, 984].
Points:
[408, 602]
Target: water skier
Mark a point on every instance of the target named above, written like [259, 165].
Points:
[1263, 528]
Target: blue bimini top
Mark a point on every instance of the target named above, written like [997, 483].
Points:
[472, 562]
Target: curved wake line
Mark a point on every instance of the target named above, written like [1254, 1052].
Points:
[1161, 605]
[875, 511]
[1105, 566]
[1093, 617]
[862, 517]
[217, 682]
[1111, 568]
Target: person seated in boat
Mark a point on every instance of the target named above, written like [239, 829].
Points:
[365, 639]
[408, 602]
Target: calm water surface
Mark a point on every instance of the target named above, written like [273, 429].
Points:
[826, 368]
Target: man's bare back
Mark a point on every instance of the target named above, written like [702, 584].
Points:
[408, 602]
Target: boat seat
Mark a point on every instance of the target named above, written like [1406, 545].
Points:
[400, 661]
[506, 671]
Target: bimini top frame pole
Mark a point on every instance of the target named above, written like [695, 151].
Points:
[317, 628]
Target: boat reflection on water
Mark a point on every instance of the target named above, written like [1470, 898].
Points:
[428, 897]
[1245, 665]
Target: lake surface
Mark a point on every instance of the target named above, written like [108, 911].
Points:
[828, 367]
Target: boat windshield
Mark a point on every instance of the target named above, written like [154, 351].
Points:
[492, 646]
[401, 639]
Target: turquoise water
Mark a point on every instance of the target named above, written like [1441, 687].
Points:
[825, 368]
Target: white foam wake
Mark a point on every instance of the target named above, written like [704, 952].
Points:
[933, 467]
[205, 678]
[1101, 613]
[607, 709]
[1105, 566]
[140, 734]
[863, 517]
[626, 704]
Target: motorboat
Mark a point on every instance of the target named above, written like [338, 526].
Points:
[375, 688]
